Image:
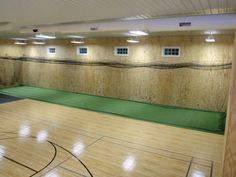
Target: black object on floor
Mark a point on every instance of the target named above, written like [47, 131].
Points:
[6, 98]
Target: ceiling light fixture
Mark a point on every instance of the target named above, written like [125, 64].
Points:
[138, 33]
[45, 36]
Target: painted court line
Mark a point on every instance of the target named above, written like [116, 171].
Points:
[72, 171]
[49, 170]
[190, 164]
[21, 164]
[155, 148]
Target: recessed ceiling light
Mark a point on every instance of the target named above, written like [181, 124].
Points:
[133, 41]
[138, 33]
[45, 36]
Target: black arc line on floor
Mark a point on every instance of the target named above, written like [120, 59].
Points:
[54, 156]
[21, 164]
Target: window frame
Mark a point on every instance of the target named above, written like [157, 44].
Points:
[78, 51]
[121, 55]
[172, 47]
[49, 48]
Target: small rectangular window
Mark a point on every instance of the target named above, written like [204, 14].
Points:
[82, 51]
[171, 51]
[52, 50]
[121, 51]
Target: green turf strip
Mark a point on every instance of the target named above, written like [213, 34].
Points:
[188, 118]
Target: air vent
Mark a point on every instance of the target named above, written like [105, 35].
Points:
[184, 24]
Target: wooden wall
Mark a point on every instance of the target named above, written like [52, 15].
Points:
[193, 49]
[197, 87]
[229, 163]
[9, 69]
[10, 72]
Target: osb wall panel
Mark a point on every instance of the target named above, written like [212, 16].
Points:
[10, 72]
[229, 162]
[7, 48]
[200, 88]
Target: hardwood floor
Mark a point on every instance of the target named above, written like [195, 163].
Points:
[43, 139]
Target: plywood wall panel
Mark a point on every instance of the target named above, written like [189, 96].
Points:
[10, 72]
[193, 49]
[7, 48]
[229, 162]
[180, 87]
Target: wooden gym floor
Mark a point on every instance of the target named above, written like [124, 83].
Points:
[43, 139]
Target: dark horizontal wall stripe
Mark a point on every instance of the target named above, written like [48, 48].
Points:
[124, 65]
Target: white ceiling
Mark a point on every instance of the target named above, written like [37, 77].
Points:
[37, 12]
[29, 13]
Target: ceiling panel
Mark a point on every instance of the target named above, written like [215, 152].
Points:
[27, 13]
[35, 12]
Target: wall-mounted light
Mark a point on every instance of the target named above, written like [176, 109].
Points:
[77, 41]
[20, 42]
[132, 41]
[76, 37]
[45, 36]
[210, 38]
[38, 42]
[138, 33]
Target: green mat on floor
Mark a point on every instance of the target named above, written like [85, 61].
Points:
[180, 117]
